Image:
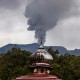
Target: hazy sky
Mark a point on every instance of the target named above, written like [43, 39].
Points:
[13, 26]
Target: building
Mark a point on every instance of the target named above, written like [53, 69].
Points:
[40, 64]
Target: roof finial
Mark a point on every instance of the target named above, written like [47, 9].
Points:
[41, 40]
[41, 43]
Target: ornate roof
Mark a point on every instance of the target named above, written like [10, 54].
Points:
[41, 55]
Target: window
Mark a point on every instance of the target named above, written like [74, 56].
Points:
[42, 70]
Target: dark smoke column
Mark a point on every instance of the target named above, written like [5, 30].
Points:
[43, 15]
[38, 27]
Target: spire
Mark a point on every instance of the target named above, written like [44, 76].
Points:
[41, 41]
[41, 44]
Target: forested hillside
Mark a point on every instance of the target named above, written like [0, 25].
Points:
[15, 63]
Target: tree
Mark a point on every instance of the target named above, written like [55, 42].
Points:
[14, 63]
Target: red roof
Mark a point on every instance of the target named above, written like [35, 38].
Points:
[38, 77]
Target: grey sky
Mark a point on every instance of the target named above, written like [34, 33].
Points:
[43, 15]
[13, 26]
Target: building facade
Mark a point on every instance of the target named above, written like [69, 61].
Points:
[40, 64]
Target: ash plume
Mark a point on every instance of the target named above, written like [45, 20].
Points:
[43, 15]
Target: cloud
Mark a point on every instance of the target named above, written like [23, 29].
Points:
[44, 15]
[66, 33]
[11, 14]
[9, 4]
[13, 26]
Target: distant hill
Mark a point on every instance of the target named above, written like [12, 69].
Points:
[33, 47]
[28, 47]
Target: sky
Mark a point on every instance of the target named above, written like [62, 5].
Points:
[13, 26]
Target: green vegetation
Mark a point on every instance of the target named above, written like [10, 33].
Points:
[15, 63]
[65, 66]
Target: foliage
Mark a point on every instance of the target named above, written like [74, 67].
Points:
[15, 63]
[66, 67]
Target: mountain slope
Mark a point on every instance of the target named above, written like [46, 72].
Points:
[33, 47]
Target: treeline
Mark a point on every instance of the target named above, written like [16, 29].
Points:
[66, 67]
[15, 63]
